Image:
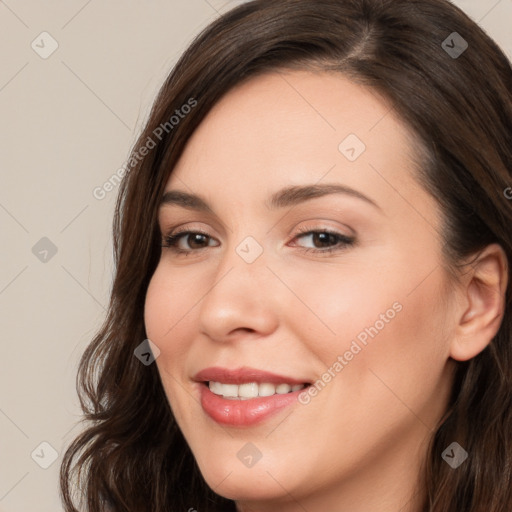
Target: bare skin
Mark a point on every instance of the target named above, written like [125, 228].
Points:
[359, 444]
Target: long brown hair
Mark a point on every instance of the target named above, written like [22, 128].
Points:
[132, 455]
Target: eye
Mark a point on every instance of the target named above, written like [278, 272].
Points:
[195, 241]
[325, 240]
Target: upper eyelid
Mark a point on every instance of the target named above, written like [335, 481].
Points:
[165, 227]
[220, 226]
[178, 230]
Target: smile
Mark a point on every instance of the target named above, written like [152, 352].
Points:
[245, 397]
[251, 389]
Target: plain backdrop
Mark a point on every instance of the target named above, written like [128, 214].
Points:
[77, 78]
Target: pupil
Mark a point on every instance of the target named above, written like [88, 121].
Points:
[196, 238]
[323, 238]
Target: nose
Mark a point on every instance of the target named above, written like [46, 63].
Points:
[242, 300]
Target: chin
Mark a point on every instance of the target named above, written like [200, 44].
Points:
[245, 488]
[262, 482]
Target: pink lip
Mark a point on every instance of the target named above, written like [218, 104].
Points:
[243, 413]
[242, 375]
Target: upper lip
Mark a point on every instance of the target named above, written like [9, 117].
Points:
[243, 375]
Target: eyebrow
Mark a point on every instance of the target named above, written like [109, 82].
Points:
[289, 196]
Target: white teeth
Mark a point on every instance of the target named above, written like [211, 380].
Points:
[215, 387]
[250, 390]
[282, 389]
[266, 389]
[229, 390]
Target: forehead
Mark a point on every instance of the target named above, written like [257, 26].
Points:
[283, 109]
[295, 127]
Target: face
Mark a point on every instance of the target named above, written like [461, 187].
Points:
[304, 283]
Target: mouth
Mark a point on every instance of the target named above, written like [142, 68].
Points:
[245, 397]
[250, 390]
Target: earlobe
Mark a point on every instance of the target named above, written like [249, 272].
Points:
[484, 304]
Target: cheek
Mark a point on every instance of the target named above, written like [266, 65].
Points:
[167, 309]
[169, 300]
[156, 311]
[386, 324]
[403, 355]
[168, 322]
[341, 304]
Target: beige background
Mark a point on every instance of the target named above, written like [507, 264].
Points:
[68, 122]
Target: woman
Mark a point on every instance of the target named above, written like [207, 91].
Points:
[314, 235]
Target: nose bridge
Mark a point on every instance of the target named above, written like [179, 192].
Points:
[242, 294]
[242, 270]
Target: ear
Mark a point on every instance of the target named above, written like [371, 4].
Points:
[483, 303]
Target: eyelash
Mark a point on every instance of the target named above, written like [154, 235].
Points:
[170, 241]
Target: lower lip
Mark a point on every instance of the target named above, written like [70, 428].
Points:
[244, 413]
